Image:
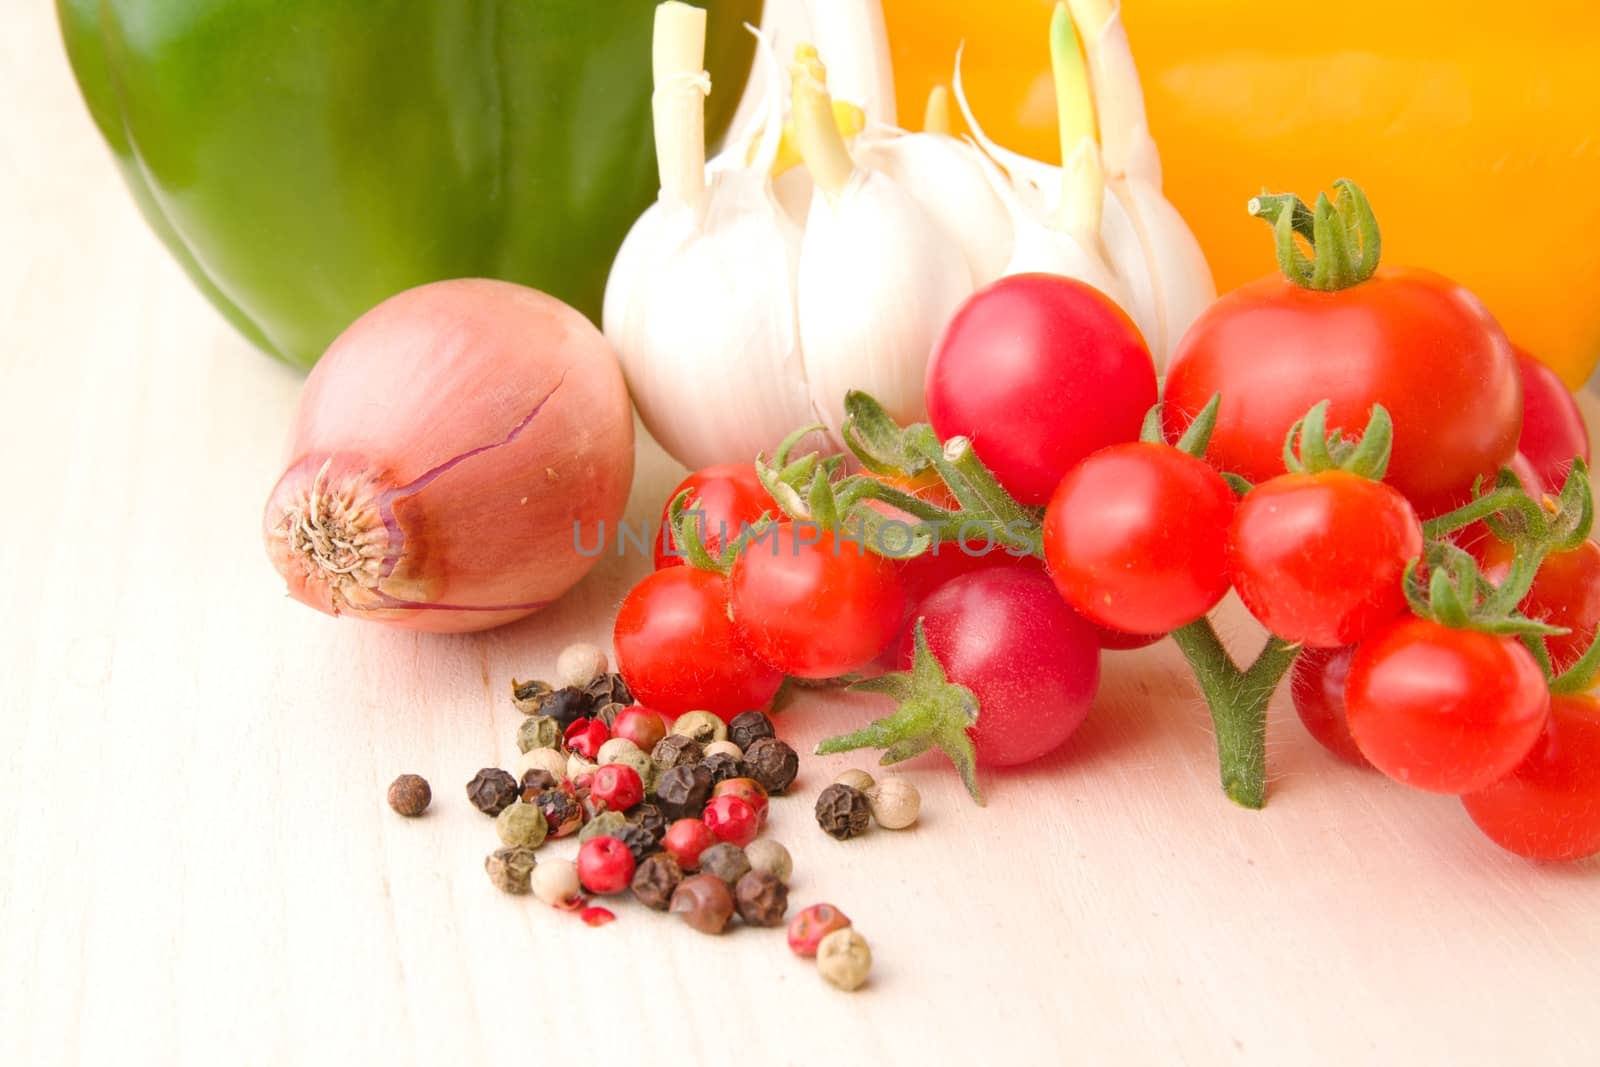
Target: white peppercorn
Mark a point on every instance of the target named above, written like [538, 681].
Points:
[548, 760]
[556, 883]
[895, 803]
[580, 664]
[578, 766]
[855, 779]
[844, 959]
[768, 855]
[724, 748]
[702, 726]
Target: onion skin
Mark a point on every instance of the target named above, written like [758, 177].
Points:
[444, 452]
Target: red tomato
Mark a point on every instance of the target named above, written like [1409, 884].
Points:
[1117, 641]
[727, 497]
[813, 604]
[1135, 538]
[1317, 685]
[678, 651]
[1549, 807]
[1566, 593]
[1039, 371]
[1319, 559]
[1449, 711]
[1553, 430]
[1032, 663]
[1415, 342]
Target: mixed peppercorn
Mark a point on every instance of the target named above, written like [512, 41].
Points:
[671, 812]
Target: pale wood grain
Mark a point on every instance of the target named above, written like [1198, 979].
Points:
[197, 864]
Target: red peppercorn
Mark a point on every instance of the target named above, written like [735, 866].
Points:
[605, 865]
[747, 789]
[585, 736]
[812, 925]
[732, 819]
[597, 916]
[640, 725]
[685, 840]
[617, 786]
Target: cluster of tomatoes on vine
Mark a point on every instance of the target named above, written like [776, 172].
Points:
[1438, 618]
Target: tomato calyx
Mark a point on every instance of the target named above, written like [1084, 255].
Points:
[1342, 234]
[932, 712]
[1310, 449]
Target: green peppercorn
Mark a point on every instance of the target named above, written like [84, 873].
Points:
[773, 763]
[761, 898]
[655, 879]
[748, 727]
[727, 861]
[605, 824]
[510, 868]
[703, 726]
[675, 750]
[621, 750]
[492, 790]
[409, 795]
[843, 812]
[521, 824]
[538, 731]
[607, 713]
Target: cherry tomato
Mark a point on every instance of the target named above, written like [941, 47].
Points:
[1319, 559]
[1415, 342]
[1317, 686]
[1039, 371]
[1565, 593]
[678, 651]
[1548, 808]
[814, 604]
[728, 498]
[1033, 664]
[1553, 431]
[1117, 641]
[1449, 711]
[1135, 538]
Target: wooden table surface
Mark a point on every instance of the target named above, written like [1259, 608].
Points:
[197, 864]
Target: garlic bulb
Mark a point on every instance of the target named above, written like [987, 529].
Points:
[951, 180]
[702, 290]
[879, 276]
[1110, 226]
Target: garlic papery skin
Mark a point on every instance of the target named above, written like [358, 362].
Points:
[947, 177]
[700, 304]
[879, 276]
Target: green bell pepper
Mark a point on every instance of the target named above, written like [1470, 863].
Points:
[305, 159]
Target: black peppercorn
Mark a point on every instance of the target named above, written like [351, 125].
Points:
[609, 688]
[675, 750]
[563, 812]
[682, 792]
[727, 861]
[772, 763]
[567, 705]
[655, 879]
[493, 790]
[639, 841]
[651, 819]
[761, 898]
[723, 766]
[536, 780]
[843, 811]
[409, 795]
[748, 727]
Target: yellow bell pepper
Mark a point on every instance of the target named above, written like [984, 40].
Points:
[1474, 129]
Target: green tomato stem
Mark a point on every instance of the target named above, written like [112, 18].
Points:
[1238, 700]
[1342, 234]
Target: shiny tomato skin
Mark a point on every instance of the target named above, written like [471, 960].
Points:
[1032, 662]
[1418, 343]
[1553, 430]
[814, 604]
[1566, 593]
[1548, 808]
[727, 496]
[1448, 711]
[1319, 559]
[1135, 538]
[1316, 684]
[678, 651]
[1039, 371]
